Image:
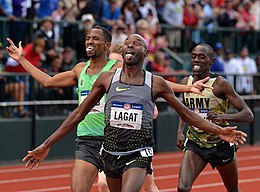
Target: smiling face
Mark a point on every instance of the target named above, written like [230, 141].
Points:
[202, 57]
[134, 50]
[96, 43]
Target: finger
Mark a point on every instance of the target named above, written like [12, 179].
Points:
[10, 41]
[20, 44]
[205, 79]
[26, 158]
[28, 164]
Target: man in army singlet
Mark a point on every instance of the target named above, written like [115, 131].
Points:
[202, 147]
[129, 115]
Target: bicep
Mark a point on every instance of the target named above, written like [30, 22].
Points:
[64, 79]
[231, 95]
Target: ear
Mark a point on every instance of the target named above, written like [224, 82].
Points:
[146, 52]
[213, 59]
[107, 45]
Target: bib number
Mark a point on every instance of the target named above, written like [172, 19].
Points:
[147, 152]
[99, 107]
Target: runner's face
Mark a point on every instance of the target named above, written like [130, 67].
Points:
[201, 60]
[134, 50]
[95, 43]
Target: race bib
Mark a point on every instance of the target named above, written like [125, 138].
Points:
[147, 152]
[126, 115]
[99, 107]
[203, 113]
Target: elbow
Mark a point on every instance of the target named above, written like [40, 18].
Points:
[251, 117]
[47, 84]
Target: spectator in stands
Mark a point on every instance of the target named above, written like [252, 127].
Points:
[227, 16]
[33, 52]
[94, 7]
[119, 32]
[54, 67]
[46, 31]
[255, 11]
[159, 5]
[245, 82]
[148, 11]
[16, 85]
[232, 67]
[57, 16]
[257, 78]
[71, 10]
[162, 65]
[217, 66]
[6, 9]
[149, 31]
[130, 14]
[20, 8]
[88, 22]
[67, 64]
[191, 20]
[46, 8]
[111, 13]
[173, 15]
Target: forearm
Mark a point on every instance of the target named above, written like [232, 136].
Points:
[242, 116]
[36, 73]
[176, 87]
[197, 121]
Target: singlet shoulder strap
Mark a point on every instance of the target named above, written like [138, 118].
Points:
[148, 79]
[117, 74]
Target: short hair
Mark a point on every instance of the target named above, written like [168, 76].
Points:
[116, 48]
[107, 33]
[210, 49]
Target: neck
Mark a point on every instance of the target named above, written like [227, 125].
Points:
[99, 62]
[202, 76]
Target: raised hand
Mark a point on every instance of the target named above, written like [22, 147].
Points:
[15, 52]
[200, 85]
[230, 134]
[36, 156]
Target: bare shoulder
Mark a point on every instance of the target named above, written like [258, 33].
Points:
[78, 67]
[184, 80]
[222, 87]
[221, 81]
[159, 84]
[119, 64]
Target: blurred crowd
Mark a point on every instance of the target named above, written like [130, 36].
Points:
[48, 51]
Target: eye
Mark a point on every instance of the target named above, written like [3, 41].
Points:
[137, 44]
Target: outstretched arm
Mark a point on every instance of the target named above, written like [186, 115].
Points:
[34, 157]
[197, 87]
[65, 79]
[229, 134]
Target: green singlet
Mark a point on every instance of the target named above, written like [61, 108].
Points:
[93, 124]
